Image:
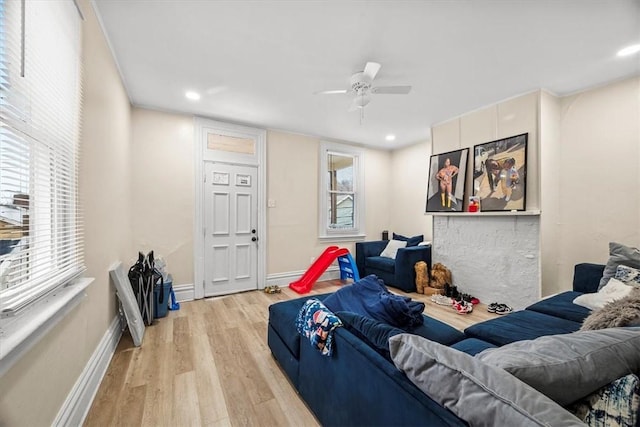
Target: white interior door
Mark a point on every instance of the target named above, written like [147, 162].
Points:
[230, 233]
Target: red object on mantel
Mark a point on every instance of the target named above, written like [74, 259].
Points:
[474, 204]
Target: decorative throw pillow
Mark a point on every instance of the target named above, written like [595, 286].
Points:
[476, 392]
[612, 291]
[571, 366]
[628, 275]
[411, 241]
[616, 404]
[392, 248]
[619, 254]
[623, 312]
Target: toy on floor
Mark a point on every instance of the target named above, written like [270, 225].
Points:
[348, 269]
[440, 276]
[422, 278]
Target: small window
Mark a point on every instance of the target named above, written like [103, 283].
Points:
[341, 192]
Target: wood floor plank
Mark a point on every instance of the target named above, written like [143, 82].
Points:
[213, 407]
[130, 407]
[110, 391]
[187, 412]
[159, 404]
[182, 354]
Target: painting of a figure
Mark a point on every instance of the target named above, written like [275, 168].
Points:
[499, 174]
[445, 189]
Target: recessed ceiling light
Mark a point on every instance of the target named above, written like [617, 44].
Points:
[629, 50]
[390, 137]
[194, 96]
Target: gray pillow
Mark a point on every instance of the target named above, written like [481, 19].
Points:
[571, 366]
[478, 393]
[619, 254]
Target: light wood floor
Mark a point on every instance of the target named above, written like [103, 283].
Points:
[209, 364]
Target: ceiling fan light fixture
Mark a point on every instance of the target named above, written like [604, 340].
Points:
[361, 100]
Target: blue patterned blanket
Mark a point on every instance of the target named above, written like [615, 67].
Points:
[316, 323]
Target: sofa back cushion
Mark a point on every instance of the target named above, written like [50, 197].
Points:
[569, 367]
[478, 393]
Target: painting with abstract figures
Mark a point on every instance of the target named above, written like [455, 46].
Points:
[499, 174]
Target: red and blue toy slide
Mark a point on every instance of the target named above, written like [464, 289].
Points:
[348, 269]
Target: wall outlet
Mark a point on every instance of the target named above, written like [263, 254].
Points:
[271, 203]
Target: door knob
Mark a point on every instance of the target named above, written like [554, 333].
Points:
[254, 239]
[253, 231]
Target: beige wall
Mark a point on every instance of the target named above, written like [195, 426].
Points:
[598, 177]
[292, 181]
[36, 387]
[409, 174]
[162, 189]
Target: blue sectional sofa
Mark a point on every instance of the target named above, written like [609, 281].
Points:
[359, 385]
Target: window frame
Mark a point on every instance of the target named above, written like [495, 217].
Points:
[326, 233]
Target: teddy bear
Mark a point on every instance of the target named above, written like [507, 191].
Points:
[422, 276]
[440, 276]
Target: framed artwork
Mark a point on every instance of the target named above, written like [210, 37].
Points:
[500, 174]
[445, 187]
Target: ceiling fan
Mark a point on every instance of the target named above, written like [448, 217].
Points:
[361, 87]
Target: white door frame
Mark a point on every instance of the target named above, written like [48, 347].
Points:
[202, 125]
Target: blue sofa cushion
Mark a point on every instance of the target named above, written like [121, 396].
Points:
[381, 263]
[472, 346]
[520, 325]
[562, 306]
[437, 331]
[411, 241]
[282, 318]
[376, 334]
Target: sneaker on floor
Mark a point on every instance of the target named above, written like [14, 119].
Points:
[491, 308]
[441, 299]
[503, 309]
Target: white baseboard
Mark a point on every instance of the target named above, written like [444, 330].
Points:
[184, 292]
[283, 279]
[78, 402]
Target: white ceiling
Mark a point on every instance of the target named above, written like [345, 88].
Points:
[260, 62]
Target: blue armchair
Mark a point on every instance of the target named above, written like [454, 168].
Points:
[399, 273]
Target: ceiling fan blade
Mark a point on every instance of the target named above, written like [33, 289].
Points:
[331, 92]
[371, 69]
[391, 90]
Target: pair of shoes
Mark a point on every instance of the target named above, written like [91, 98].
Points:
[462, 307]
[503, 309]
[441, 299]
[498, 308]
[469, 298]
[275, 289]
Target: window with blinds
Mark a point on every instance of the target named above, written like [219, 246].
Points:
[40, 101]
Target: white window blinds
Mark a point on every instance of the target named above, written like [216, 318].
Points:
[40, 94]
